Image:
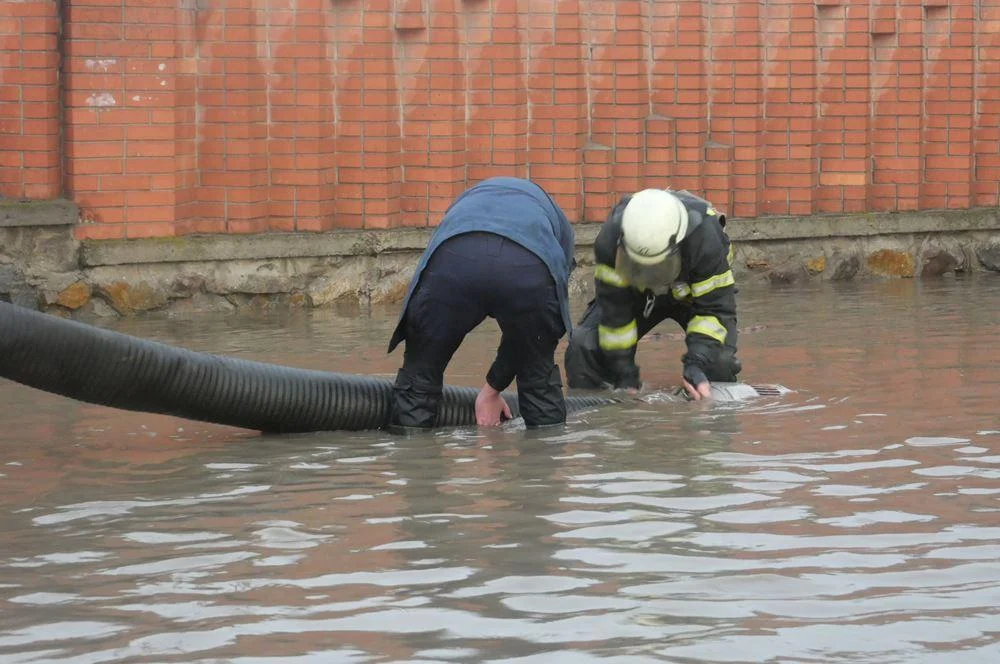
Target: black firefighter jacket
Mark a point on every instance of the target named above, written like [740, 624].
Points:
[703, 295]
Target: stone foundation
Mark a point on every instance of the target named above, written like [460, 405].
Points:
[42, 266]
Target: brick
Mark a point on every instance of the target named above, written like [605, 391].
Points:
[842, 179]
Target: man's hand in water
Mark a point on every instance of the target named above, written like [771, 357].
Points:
[699, 391]
[490, 406]
[696, 383]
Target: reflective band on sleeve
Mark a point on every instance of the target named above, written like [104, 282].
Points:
[618, 338]
[709, 326]
[681, 291]
[729, 256]
[607, 275]
[708, 285]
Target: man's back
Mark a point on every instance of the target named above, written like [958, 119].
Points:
[513, 207]
[516, 209]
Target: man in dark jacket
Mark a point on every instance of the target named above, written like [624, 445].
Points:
[505, 250]
[660, 254]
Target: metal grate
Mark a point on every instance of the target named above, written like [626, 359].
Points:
[768, 390]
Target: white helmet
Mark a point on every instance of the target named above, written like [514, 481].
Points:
[653, 222]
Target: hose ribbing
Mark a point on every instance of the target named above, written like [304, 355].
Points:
[109, 368]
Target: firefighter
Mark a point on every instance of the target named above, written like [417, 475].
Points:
[503, 250]
[660, 254]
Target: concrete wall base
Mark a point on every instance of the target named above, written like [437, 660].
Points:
[42, 266]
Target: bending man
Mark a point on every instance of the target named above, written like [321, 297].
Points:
[505, 250]
[660, 254]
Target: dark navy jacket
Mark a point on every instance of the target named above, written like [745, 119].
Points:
[517, 209]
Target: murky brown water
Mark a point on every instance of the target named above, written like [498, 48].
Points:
[855, 520]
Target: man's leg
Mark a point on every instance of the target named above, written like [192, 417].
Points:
[584, 369]
[531, 323]
[539, 384]
[728, 366]
[727, 369]
[440, 314]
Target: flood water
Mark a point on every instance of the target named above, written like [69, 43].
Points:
[853, 520]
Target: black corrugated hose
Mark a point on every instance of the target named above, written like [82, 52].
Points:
[103, 367]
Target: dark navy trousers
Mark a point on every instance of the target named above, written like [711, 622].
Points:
[469, 278]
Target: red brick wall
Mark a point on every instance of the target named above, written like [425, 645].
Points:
[29, 99]
[242, 116]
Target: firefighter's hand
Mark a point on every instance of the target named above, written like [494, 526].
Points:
[699, 391]
[491, 408]
[696, 383]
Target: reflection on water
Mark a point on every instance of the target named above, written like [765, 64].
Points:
[853, 520]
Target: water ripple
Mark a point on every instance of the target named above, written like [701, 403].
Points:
[854, 520]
